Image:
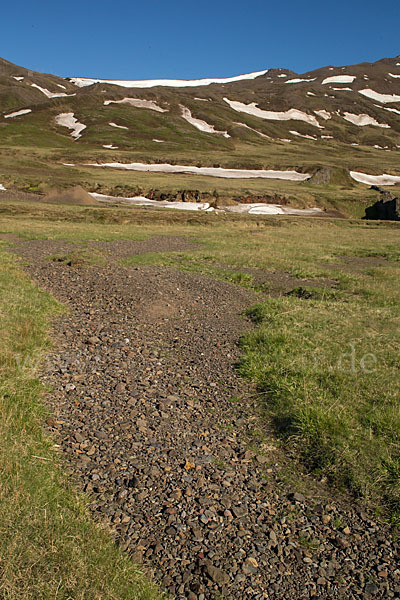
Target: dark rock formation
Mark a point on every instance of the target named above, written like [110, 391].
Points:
[387, 208]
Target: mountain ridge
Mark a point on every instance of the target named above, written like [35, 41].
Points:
[345, 117]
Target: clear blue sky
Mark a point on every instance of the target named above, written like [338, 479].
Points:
[148, 39]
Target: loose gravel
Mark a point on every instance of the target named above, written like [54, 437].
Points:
[155, 425]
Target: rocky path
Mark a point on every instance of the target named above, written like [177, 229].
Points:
[156, 426]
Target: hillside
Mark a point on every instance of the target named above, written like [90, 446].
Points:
[345, 120]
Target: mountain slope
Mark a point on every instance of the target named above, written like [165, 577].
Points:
[337, 117]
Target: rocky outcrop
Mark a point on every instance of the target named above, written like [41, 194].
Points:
[387, 208]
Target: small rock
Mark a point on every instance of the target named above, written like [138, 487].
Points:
[326, 519]
[217, 575]
[297, 497]
[250, 565]
[239, 511]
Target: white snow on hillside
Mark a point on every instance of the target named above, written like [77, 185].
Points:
[147, 83]
[282, 75]
[18, 78]
[324, 114]
[202, 99]
[118, 126]
[68, 120]
[250, 209]
[199, 124]
[137, 103]
[2, 188]
[158, 141]
[271, 209]
[143, 201]
[51, 94]
[18, 113]
[342, 89]
[384, 98]
[291, 114]
[396, 76]
[393, 110]
[363, 119]
[61, 86]
[303, 135]
[326, 137]
[251, 129]
[299, 80]
[339, 79]
[110, 146]
[210, 171]
[375, 179]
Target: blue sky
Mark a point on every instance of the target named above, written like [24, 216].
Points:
[176, 39]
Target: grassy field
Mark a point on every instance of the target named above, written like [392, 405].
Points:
[49, 546]
[324, 359]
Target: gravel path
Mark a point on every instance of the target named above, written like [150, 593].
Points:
[156, 426]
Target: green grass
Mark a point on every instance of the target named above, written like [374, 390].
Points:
[327, 376]
[49, 546]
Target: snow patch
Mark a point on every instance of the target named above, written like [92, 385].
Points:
[251, 129]
[61, 86]
[148, 83]
[158, 141]
[310, 94]
[394, 110]
[2, 188]
[137, 103]
[199, 124]
[339, 79]
[143, 201]
[342, 89]
[375, 179]
[110, 146]
[324, 114]
[303, 135]
[202, 99]
[282, 75]
[383, 98]
[51, 94]
[250, 209]
[291, 114]
[271, 209]
[363, 119]
[18, 78]
[118, 126]
[68, 120]
[326, 137]
[209, 171]
[396, 76]
[299, 80]
[18, 113]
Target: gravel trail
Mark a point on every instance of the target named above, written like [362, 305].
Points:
[154, 423]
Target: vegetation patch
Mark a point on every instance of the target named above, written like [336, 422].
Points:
[327, 380]
[314, 293]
